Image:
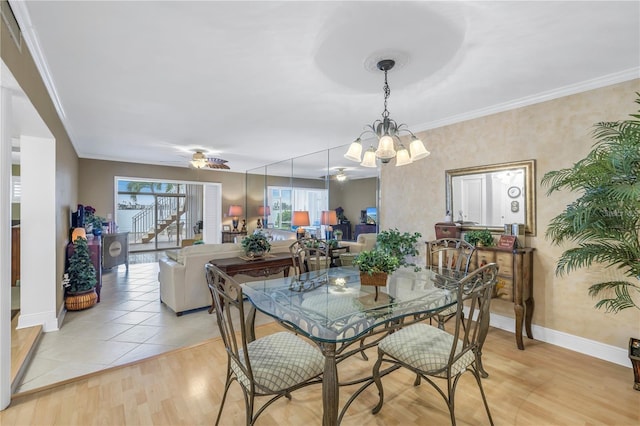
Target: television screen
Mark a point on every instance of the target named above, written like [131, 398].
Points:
[372, 215]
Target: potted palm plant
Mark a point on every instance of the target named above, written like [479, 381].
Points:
[604, 222]
[80, 281]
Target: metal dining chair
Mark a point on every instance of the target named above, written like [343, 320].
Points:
[432, 353]
[273, 365]
[309, 254]
[450, 254]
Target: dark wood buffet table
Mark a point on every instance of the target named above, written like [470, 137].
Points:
[270, 265]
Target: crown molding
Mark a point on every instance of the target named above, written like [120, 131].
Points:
[571, 89]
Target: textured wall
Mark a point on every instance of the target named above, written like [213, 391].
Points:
[556, 133]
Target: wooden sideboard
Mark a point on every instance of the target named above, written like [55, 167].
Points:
[115, 250]
[515, 282]
[230, 236]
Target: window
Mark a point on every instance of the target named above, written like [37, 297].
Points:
[284, 200]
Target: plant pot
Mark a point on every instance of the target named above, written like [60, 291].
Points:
[378, 279]
[81, 300]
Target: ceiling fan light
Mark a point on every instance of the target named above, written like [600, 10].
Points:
[341, 177]
[369, 159]
[355, 151]
[385, 148]
[417, 149]
[402, 157]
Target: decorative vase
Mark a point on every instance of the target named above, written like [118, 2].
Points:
[256, 254]
[81, 300]
[97, 232]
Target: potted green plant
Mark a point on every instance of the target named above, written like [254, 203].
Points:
[604, 222]
[255, 245]
[93, 222]
[479, 237]
[375, 265]
[80, 282]
[399, 245]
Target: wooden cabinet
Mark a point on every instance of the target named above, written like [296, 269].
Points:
[95, 251]
[364, 228]
[230, 236]
[115, 250]
[515, 282]
[345, 227]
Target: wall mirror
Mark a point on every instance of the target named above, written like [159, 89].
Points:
[492, 196]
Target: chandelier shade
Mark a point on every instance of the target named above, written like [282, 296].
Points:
[387, 131]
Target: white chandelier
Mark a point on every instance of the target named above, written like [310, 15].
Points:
[388, 133]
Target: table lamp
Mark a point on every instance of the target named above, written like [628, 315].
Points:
[300, 219]
[264, 212]
[328, 218]
[234, 212]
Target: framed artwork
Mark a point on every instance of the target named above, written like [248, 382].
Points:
[226, 228]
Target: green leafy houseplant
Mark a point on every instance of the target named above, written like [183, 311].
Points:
[255, 245]
[399, 245]
[480, 237]
[604, 222]
[81, 273]
[376, 261]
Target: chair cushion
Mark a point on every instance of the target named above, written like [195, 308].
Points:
[425, 348]
[280, 361]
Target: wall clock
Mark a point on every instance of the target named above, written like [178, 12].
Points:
[513, 192]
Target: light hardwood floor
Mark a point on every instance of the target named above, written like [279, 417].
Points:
[542, 385]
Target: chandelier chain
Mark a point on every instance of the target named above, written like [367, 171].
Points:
[387, 93]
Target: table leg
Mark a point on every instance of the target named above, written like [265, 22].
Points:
[528, 316]
[519, 311]
[329, 385]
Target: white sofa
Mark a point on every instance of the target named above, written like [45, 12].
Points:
[364, 242]
[183, 284]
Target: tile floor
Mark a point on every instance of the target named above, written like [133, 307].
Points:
[128, 324]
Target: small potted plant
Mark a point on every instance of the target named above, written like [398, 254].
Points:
[255, 245]
[375, 266]
[80, 280]
[479, 238]
[93, 222]
[400, 245]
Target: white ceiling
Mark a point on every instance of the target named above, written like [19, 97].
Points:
[260, 82]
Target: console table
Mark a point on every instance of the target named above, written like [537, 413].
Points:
[270, 265]
[515, 282]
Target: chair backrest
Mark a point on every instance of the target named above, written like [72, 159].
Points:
[228, 301]
[473, 292]
[309, 254]
[450, 253]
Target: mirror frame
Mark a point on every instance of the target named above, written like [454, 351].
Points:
[529, 167]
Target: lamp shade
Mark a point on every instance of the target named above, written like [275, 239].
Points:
[402, 157]
[78, 233]
[417, 149]
[369, 159]
[355, 151]
[385, 148]
[264, 211]
[328, 217]
[300, 218]
[235, 210]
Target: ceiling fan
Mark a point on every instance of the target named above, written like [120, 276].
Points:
[200, 161]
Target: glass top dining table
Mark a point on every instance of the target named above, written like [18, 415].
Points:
[335, 311]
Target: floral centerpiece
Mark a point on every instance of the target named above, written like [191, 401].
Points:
[91, 218]
[256, 245]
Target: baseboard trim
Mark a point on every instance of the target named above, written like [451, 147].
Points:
[568, 341]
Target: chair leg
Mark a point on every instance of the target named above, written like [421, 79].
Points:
[224, 397]
[484, 397]
[378, 382]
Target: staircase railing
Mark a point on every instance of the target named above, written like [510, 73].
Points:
[144, 225]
